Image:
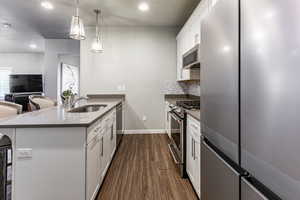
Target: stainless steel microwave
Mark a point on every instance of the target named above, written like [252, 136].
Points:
[191, 59]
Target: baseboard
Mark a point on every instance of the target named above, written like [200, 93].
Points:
[146, 131]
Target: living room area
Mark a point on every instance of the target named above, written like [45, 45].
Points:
[37, 67]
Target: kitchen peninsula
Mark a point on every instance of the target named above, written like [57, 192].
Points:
[60, 153]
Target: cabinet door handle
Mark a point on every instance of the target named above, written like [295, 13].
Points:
[195, 156]
[111, 132]
[194, 149]
[101, 146]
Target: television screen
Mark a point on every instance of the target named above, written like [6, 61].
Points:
[19, 83]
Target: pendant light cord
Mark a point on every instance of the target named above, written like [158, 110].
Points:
[98, 12]
[77, 8]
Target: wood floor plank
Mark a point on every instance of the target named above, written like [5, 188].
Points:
[143, 169]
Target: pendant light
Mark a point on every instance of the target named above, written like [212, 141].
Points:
[77, 28]
[97, 46]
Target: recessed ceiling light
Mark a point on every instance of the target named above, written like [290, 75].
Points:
[33, 46]
[47, 5]
[143, 6]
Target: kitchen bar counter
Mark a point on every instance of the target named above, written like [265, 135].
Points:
[60, 117]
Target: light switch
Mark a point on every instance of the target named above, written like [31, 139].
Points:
[24, 153]
[121, 87]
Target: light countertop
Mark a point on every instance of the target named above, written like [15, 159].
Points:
[194, 113]
[59, 116]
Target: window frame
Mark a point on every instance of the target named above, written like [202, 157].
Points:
[10, 71]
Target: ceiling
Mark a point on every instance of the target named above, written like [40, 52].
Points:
[55, 23]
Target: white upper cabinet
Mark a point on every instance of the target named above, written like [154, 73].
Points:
[188, 37]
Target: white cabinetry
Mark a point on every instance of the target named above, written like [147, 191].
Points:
[167, 119]
[66, 163]
[101, 146]
[193, 152]
[93, 167]
[102, 155]
[112, 133]
[188, 37]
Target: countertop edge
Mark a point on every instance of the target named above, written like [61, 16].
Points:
[193, 116]
[61, 125]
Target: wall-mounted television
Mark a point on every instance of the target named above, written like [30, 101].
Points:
[22, 83]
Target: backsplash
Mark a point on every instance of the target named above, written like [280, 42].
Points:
[174, 87]
[193, 88]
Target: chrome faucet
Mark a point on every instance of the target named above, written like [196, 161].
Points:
[77, 100]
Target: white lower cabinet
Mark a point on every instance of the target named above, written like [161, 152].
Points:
[101, 155]
[112, 134]
[93, 168]
[167, 119]
[106, 151]
[101, 146]
[193, 153]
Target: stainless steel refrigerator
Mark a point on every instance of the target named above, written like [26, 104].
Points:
[250, 97]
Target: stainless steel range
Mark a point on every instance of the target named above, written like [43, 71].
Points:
[178, 132]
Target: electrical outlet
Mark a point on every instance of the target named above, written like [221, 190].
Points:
[24, 153]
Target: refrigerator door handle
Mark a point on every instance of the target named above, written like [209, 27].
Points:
[254, 189]
[220, 158]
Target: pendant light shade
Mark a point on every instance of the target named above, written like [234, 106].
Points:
[77, 28]
[97, 46]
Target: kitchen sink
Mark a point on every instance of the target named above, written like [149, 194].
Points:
[88, 108]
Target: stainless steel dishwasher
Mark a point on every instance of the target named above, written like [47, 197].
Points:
[120, 130]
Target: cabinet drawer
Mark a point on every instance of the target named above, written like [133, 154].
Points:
[93, 130]
[194, 126]
[110, 118]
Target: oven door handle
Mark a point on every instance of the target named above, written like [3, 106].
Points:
[173, 155]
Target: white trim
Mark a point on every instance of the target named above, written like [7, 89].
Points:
[145, 131]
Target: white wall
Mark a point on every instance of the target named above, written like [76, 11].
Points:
[23, 63]
[54, 48]
[141, 58]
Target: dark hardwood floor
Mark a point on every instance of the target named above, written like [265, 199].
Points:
[143, 169]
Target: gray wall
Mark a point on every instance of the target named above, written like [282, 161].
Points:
[141, 58]
[23, 63]
[54, 48]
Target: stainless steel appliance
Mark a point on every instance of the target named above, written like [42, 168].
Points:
[177, 146]
[220, 102]
[120, 130]
[178, 132]
[5, 168]
[191, 59]
[270, 96]
[249, 100]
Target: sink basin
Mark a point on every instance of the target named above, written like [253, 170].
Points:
[87, 108]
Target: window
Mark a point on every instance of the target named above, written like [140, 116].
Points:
[4, 81]
[70, 78]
